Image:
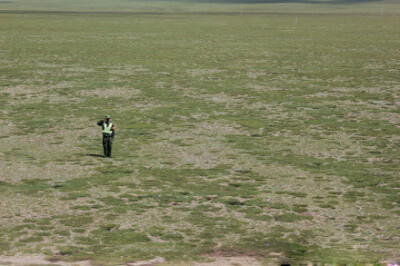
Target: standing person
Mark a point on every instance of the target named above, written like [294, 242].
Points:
[108, 135]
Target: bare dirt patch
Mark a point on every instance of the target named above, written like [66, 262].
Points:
[155, 261]
[33, 89]
[130, 70]
[223, 98]
[35, 94]
[227, 258]
[234, 261]
[196, 146]
[20, 260]
[215, 260]
[113, 92]
[202, 72]
[44, 155]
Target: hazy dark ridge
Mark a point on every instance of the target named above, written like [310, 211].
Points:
[328, 2]
[247, 13]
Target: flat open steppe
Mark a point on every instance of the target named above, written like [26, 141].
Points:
[252, 137]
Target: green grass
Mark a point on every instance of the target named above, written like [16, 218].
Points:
[241, 7]
[261, 134]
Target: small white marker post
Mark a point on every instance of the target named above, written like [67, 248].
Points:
[295, 21]
[382, 11]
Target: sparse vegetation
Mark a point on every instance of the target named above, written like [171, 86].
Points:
[270, 135]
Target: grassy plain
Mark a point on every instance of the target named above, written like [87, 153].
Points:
[274, 136]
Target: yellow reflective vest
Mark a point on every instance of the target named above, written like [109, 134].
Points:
[107, 129]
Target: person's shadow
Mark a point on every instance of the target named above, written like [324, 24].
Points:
[94, 155]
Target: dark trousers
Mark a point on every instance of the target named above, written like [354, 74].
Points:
[107, 145]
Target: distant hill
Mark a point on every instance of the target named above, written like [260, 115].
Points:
[290, 1]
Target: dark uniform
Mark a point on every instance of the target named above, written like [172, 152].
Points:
[108, 135]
